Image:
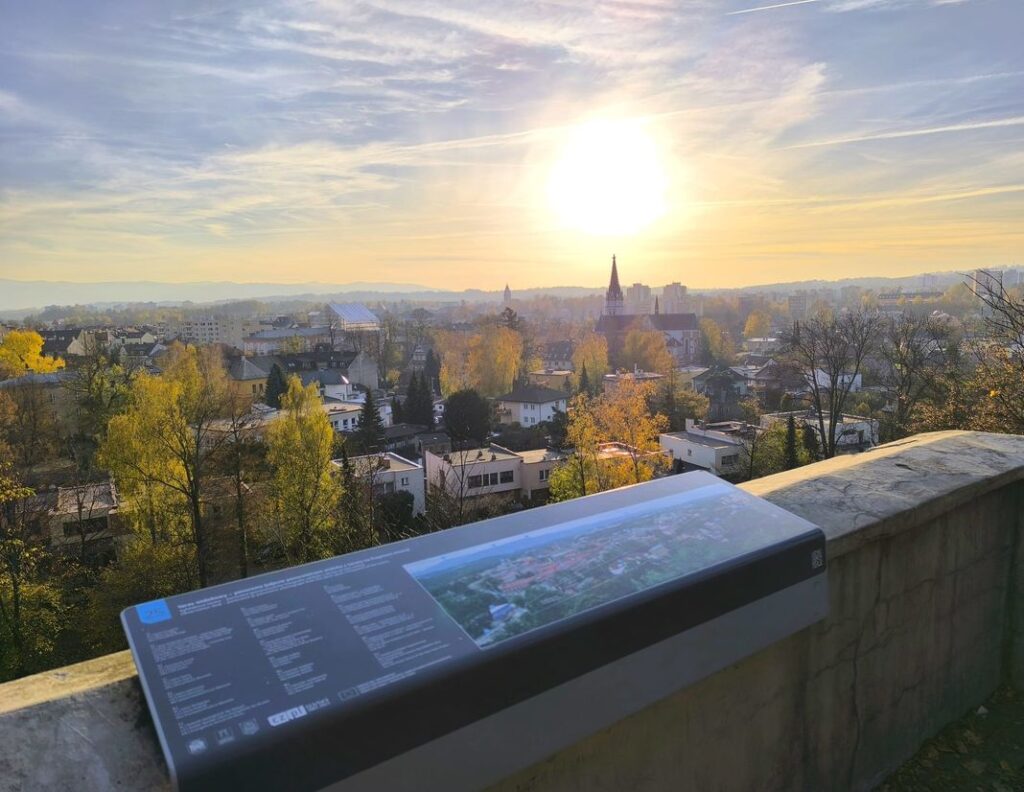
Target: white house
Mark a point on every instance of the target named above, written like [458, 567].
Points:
[823, 381]
[529, 405]
[354, 317]
[492, 470]
[720, 452]
[854, 433]
[388, 472]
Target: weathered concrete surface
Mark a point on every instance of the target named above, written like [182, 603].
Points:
[922, 534]
[79, 728]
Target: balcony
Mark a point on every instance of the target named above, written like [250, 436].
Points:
[925, 623]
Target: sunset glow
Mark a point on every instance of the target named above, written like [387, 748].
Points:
[609, 179]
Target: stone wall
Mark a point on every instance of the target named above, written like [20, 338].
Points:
[926, 573]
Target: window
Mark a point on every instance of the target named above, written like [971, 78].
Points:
[491, 478]
[544, 474]
[473, 482]
[689, 452]
[730, 459]
[506, 477]
[405, 481]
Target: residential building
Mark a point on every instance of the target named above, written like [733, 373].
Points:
[718, 448]
[529, 405]
[558, 379]
[850, 381]
[492, 471]
[285, 339]
[674, 299]
[557, 355]
[84, 517]
[354, 318]
[763, 345]
[638, 299]
[611, 382]
[216, 329]
[984, 281]
[855, 433]
[387, 472]
[798, 305]
[247, 379]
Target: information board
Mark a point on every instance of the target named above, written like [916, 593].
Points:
[304, 677]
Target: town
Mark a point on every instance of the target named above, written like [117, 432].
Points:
[149, 450]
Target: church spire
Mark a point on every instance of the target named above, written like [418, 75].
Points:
[656, 307]
[614, 302]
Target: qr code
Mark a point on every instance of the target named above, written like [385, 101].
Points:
[817, 559]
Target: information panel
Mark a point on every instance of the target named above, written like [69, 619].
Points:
[304, 677]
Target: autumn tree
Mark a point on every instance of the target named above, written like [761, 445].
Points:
[715, 345]
[591, 353]
[646, 350]
[678, 404]
[100, 388]
[168, 435]
[494, 359]
[21, 352]
[580, 474]
[758, 325]
[32, 431]
[305, 492]
[30, 607]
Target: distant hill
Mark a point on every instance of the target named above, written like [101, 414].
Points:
[20, 298]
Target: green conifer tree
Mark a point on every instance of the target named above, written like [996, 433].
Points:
[277, 386]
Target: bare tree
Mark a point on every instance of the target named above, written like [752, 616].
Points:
[912, 349]
[830, 350]
[1001, 360]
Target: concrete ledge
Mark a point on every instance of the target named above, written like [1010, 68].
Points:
[925, 556]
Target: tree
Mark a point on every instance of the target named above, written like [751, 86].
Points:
[792, 450]
[584, 383]
[21, 352]
[912, 350]
[30, 608]
[397, 413]
[580, 474]
[32, 432]
[419, 402]
[277, 386]
[100, 388]
[467, 416]
[1001, 364]
[830, 351]
[591, 353]
[715, 345]
[758, 325]
[355, 509]
[647, 350]
[370, 434]
[678, 404]
[304, 490]
[494, 360]
[168, 435]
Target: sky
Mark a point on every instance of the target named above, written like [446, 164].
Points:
[451, 143]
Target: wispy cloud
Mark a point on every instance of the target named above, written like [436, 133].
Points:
[970, 126]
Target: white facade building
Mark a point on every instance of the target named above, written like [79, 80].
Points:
[529, 405]
[388, 472]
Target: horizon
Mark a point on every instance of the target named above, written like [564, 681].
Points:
[720, 145]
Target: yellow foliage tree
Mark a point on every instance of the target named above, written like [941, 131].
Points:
[21, 352]
[592, 352]
[160, 449]
[305, 489]
[494, 358]
[759, 325]
[647, 351]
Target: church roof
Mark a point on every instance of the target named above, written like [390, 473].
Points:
[614, 290]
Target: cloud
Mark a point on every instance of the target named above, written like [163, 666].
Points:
[969, 126]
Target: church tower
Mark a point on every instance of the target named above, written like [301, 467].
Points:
[507, 299]
[614, 303]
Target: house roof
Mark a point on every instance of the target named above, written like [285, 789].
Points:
[354, 313]
[678, 321]
[532, 394]
[54, 378]
[91, 498]
[243, 369]
[324, 377]
[534, 456]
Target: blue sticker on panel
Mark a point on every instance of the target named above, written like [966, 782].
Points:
[153, 612]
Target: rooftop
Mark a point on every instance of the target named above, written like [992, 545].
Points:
[532, 394]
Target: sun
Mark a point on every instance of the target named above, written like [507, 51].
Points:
[609, 179]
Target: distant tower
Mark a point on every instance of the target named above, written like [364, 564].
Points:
[656, 307]
[508, 296]
[614, 303]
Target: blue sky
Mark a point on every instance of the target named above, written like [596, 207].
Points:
[412, 141]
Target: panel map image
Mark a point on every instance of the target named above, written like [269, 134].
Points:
[511, 586]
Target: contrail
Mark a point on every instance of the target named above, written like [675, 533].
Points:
[1000, 122]
[770, 7]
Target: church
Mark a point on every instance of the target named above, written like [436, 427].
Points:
[681, 330]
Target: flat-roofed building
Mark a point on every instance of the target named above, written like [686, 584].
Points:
[389, 472]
